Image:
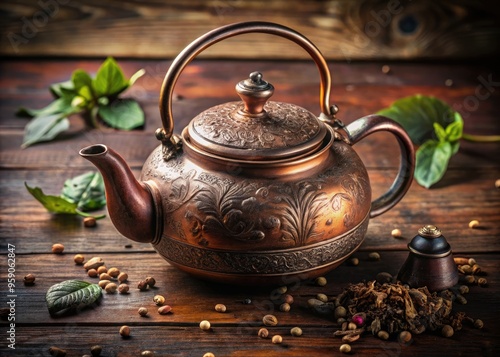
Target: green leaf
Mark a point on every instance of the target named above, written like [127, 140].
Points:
[62, 89]
[71, 296]
[125, 114]
[432, 162]
[80, 79]
[60, 105]
[455, 130]
[54, 204]
[86, 191]
[440, 132]
[109, 80]
[417, 114]
[44, 128]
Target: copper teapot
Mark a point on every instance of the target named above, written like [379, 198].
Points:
[252, 191]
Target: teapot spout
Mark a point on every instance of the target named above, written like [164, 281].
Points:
[131, 205]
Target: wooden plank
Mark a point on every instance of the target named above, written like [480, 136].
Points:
[343, 30]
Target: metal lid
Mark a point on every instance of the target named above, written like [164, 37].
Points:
[255, 129]
[430, 242]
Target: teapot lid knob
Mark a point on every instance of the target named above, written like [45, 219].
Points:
[254, 91]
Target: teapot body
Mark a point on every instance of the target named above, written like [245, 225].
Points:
[250, 223]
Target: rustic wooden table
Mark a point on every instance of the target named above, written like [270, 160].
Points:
[466, 192]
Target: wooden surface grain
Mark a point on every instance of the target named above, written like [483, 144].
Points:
[466, 192]
[342, 29]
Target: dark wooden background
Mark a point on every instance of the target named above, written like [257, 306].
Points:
[343, 29]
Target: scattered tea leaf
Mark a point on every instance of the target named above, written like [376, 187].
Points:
[71, 296]
[122, 114]
[86, 191]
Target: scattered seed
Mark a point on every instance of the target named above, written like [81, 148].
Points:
[322, 297]
[247, 301]
[470, 279]
[79, 259]
[220, 308]
[205, 325]
[345, 348]
[123, 288]
[354, 261]
[374, 256]
[478, 324]
[263, 333]
[383, 335]
[209, 354]
[57, 352]
[111, 288]
[150, 281]
[296, 331]
[57, 248]
[147, 354]
[288, 299]
[270, 320]
[352, 326]
[461, 260]
[89, 222]
[461, 299]
[396, 233]
[463, 289]
[102, 269]
[104, 276]
[383, 277]
[93, 263]
[321, 281]
[448, 82]
[404, 337]
[143, 311]
[447, 331]
[350, 338]
[476, 269]
[285, 307]
[92, 273]
[340, 311]
[29, 279]
[277, 339]
[482, 282]
[474, 223]
[114, 272]
[142, 285]
[165, 309]
[340, 320]
[471, 261]
[96, 350]
[103, 283]
[125, 331]
[386, 69]
[159, 300]
[122, 277]
[497, 183]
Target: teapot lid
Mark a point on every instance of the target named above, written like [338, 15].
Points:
[255, 129]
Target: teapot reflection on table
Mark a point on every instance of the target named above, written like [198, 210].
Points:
[254, 191]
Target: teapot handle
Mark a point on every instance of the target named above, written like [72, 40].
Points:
[370, 124]
[182, 60]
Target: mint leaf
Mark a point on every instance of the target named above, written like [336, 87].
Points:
[62, 89]
[109, 80]
[440, 132]
[86, 191]
[417, 114]
[432, 162]
[60, 105]
[53, 204]
[455, 130]
[125, 114]
[71, 296]
[44, 128]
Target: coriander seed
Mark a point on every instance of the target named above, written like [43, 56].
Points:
[123, 288]
[322, 297]
[102, 269]
[105, 276]
[111, 288]
[79, 259]
[270, 320]
[373, 256]
[205, 325]
[340, 311]
[150, 281]
[296, 331]
[143, 311]
[447, 331]
[383, 335]
[263, 333]
[159, 300]
[404, 337]
[321, 281]
[125, 331]
[352, 326]
[354, 261]
[470, 279]
[396, 233]
[103, 283]
[220, 308]
[471, 261]
[122, 277]
[285, 307]
[482, 282]
[288, 299]
[92, 273]
[463, 289]
[113, 272]
[142, 285]
[474, 224]
[345, 348]
[165, 309]
[209, 354]
[497, 183]
[461, 299]
[96, 350]
[29, 279]
[57, 248]
[277, 339]
[282, 289]
[478, 324]
[89, 222]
